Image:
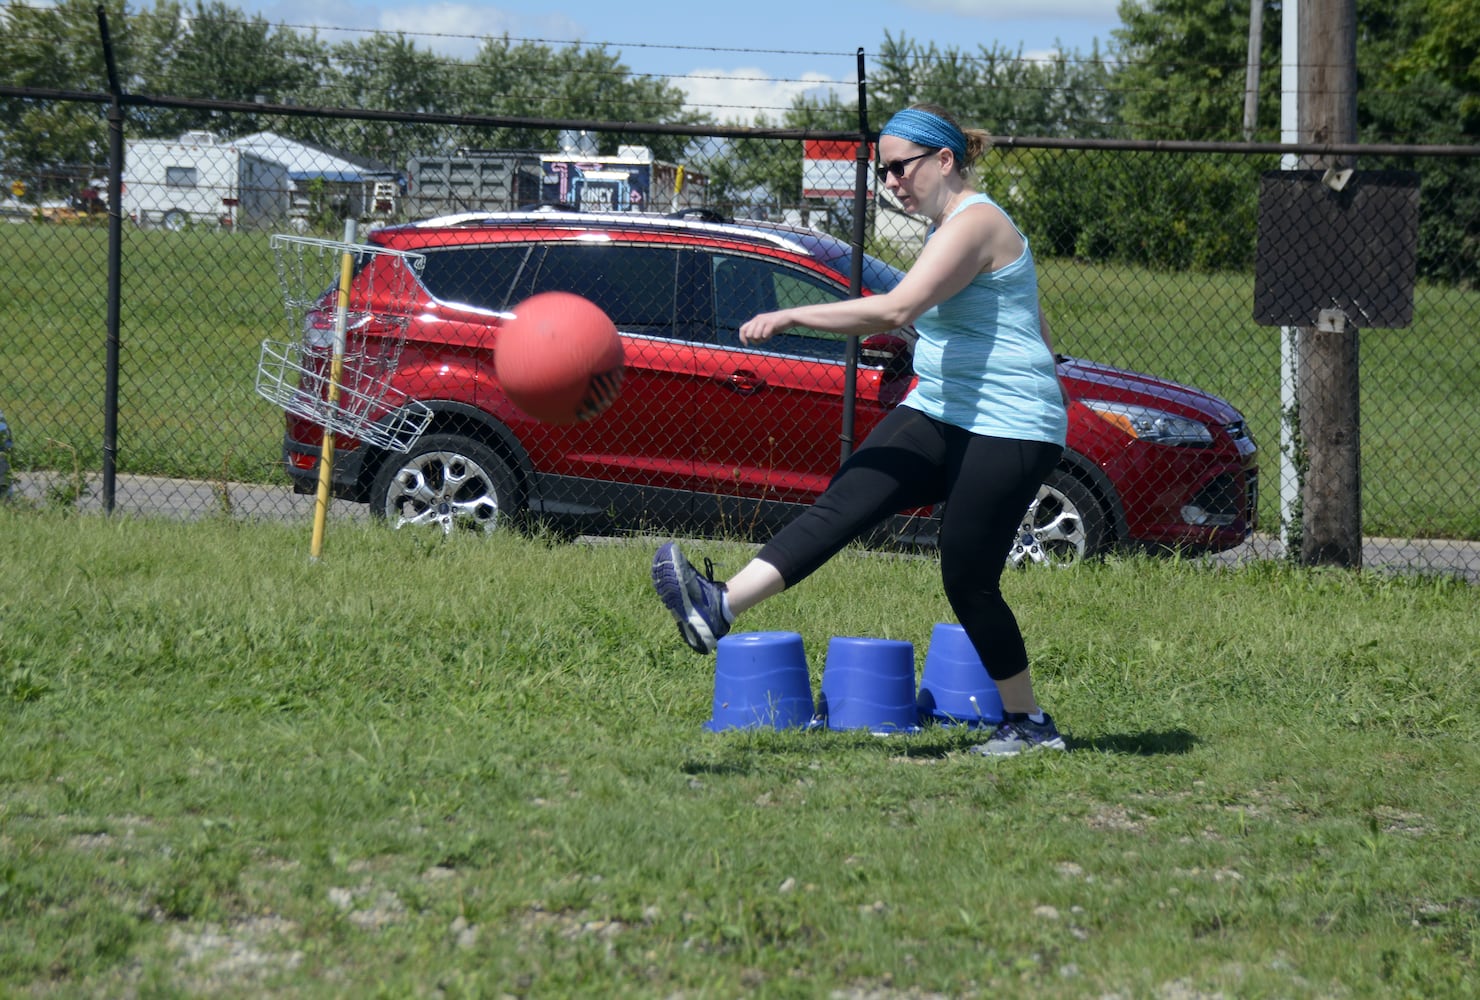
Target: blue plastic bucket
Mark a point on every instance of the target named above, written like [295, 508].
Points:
[761, 681]
[955, 689]
[869, 684]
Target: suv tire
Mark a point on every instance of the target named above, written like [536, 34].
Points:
[1064, 524]
[448, 481]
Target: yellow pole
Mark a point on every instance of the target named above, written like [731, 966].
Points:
[336, 374]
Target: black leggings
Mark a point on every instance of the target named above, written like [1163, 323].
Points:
[913, 460]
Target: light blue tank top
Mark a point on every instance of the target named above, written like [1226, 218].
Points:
[981, 360]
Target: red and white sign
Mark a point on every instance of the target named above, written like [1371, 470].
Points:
[829, 168]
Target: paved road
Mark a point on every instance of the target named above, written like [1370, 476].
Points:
[186, 498]
[193, 499]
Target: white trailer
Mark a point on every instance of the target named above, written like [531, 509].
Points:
[202, 179]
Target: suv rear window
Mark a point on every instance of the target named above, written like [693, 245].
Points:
[476, 276]
[635, 286]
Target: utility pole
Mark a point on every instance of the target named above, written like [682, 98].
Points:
[1331, 494]
[1251, 69]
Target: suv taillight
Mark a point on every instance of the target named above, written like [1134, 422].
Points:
[318, 329]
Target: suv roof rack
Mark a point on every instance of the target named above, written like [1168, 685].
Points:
[549, 206]
[701, 214]
[700, 220]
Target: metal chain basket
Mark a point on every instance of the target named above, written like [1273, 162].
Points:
[347, 308]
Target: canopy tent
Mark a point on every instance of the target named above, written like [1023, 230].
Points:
[306, 162]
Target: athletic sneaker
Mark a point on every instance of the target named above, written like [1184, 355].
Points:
[1018, 734]
[695, 601]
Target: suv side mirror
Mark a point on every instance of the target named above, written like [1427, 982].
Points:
[888, 351]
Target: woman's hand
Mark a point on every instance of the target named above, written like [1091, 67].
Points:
[759, 329]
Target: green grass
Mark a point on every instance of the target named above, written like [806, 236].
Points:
[478, 768]
[196, 306]
[1419, 386]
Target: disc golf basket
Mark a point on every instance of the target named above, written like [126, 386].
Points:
[332, 290]
[347, 306]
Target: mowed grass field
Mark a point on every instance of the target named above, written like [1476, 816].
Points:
[196, 306]
[478, 768]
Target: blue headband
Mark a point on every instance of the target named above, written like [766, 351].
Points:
[926, 129]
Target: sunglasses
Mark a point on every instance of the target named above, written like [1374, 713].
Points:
[896, 167]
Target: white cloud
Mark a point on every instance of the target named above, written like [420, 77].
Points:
[447, 19]
[451, 29]
[457, 29]
[738, 95]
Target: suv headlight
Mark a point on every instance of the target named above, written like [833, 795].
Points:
[1146, 424]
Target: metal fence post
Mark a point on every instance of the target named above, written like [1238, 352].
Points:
[115, 254]
[855, 266]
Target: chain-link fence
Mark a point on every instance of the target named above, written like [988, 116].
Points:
[1186, 426]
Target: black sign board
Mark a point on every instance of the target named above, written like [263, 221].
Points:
[1354, 250]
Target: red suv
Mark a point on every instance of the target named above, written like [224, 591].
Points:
[709, 436]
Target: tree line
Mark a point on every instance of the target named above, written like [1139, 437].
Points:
[1174, 69]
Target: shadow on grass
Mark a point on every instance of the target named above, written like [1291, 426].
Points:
[743, 755]
[1149, 744]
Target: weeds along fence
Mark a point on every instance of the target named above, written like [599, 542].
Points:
[1173, 291]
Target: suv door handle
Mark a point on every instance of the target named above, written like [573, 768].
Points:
[744, 382]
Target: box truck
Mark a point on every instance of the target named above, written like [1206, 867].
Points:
[471, 181]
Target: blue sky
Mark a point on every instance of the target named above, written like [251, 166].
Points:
[730, 58]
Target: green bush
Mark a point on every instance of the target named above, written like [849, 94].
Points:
[1161, 212]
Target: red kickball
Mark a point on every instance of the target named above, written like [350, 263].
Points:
[559, 359]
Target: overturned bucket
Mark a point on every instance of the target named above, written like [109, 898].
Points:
[955, 688]
[869, 684]
[761, 681]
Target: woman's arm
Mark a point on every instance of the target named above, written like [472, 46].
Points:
[956, 253]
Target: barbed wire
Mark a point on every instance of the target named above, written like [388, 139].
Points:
[1232, 83]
